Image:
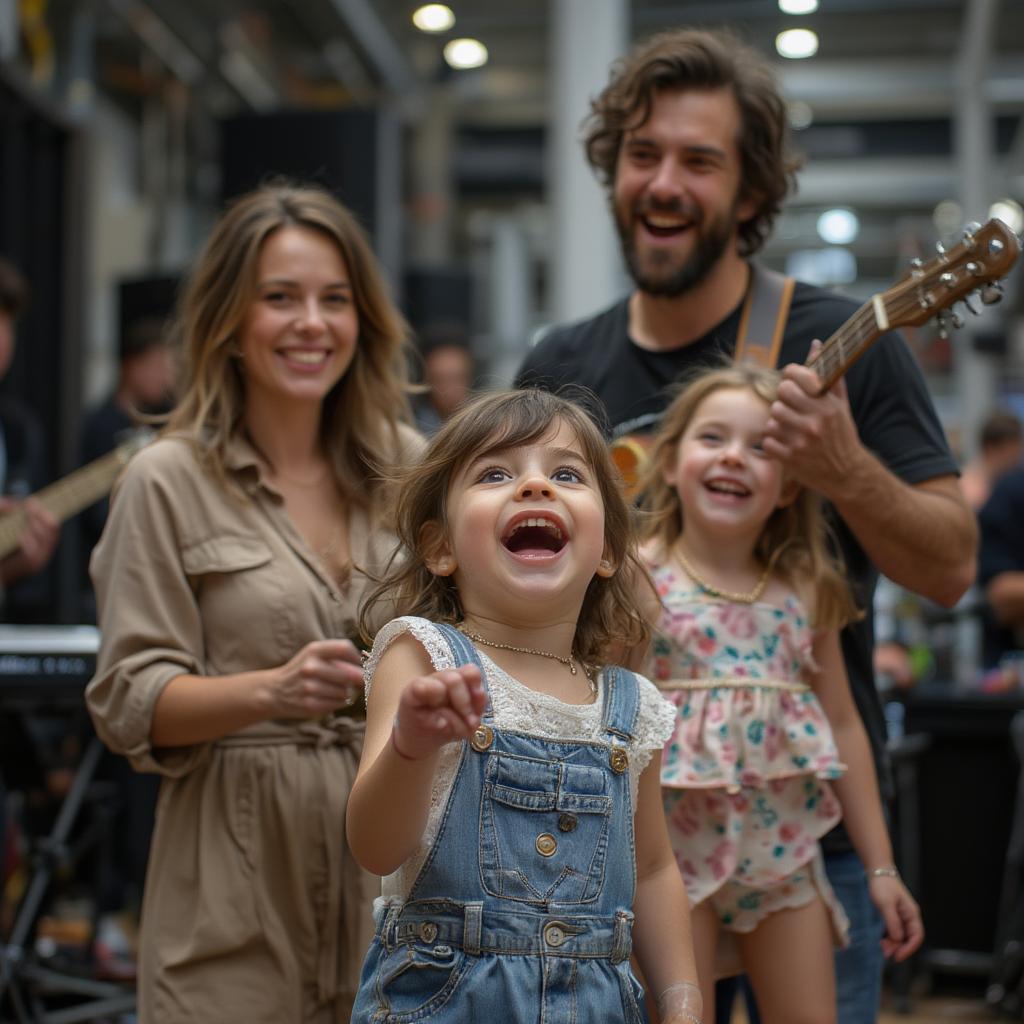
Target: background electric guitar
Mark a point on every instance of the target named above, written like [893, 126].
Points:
[976, 263]
[76, 491]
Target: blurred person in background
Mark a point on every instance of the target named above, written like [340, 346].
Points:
[1001, 572]
[22, 459]
[1000, 448]
[448, 374]
[237, 551]
[144, 388]
[691, 139]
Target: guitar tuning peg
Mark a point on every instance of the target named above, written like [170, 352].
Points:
[940, 249]
[916, 263]
[970, 230]
[942, 324]
[956, 319]
[991, 293]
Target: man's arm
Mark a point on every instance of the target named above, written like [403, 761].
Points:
[922, 536]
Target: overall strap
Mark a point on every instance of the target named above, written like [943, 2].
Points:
[465, 653]
[621, 702]
[763, 320]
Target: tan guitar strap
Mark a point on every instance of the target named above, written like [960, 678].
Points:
[763, 320]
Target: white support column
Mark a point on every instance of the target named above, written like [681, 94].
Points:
[586, 275]
[975, 152]
[510, 303]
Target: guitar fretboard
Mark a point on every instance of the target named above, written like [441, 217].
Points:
[64, 498]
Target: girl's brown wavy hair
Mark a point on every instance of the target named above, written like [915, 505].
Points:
[492, 422]
[796, 540]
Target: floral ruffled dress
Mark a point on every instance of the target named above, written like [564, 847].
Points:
[745, 772]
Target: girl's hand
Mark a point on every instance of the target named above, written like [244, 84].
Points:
[436, 709]
[325, 675]
[904, 931]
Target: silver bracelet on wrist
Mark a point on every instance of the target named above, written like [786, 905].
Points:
[890, 872]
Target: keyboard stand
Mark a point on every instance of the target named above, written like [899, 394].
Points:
[23, 981]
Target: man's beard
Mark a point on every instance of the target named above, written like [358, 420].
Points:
[712, 240]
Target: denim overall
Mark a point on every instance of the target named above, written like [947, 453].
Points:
[522, 910]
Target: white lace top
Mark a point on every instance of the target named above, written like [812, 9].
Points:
[516, 707]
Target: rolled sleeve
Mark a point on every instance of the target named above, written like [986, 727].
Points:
[150, 626]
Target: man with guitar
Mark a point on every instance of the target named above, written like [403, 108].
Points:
[690, 138]
[20, 450]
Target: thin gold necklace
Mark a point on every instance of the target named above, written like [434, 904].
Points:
[569, 662]
[747, 598]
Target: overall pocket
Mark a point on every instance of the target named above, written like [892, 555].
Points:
[543, 830]
[417, 980]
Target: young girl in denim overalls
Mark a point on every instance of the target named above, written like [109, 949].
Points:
[509, 785]
[767, 736]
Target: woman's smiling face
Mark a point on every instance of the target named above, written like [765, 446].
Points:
[300, 332]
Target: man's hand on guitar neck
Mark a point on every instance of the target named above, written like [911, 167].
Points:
[38, 539]
[813, 435]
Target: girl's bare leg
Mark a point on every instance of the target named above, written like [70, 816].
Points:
[788, 958]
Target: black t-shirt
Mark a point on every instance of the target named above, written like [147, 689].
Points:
[891, 407]
[1001, 522]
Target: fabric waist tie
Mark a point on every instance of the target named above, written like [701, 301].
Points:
[476, 930]
[342, 733]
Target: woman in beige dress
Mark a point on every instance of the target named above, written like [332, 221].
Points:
[229, 573]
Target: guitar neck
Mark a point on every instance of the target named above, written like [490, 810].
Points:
[843, 348]
[66, 497]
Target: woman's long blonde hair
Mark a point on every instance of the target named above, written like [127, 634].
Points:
[494, 421]
[795, 541]
[361, 413]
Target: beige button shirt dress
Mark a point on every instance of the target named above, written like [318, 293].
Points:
[254, 909]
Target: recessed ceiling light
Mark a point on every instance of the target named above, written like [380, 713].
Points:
[838, 226]
[796, 43]
[948, 217]
[465, 53]
[798, 6]
[1010, 212]
[433, 18]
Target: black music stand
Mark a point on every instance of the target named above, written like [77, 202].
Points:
[24, 982]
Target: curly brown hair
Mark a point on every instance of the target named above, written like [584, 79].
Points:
[690, 59]
[795, 540]
[491, 422]
[361, 414]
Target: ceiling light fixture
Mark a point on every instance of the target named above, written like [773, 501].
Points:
[796, 43]
[1010, 212]
[838, 226]
[433, 18]
[798, 6]
[465, 53]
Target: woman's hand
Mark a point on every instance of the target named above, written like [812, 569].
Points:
[437, 708]
[904, 930]
[323, 676]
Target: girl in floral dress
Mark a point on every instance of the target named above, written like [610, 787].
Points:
[768, 750]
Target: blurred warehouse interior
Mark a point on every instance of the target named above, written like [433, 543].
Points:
[126, 123]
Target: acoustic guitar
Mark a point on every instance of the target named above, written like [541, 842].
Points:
[76, 491]
[975, 264]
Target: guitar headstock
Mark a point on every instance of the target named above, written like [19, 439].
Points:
[977, 263]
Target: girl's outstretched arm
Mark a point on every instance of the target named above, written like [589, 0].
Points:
[412, 712]
[661, 933]
[862, 804]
